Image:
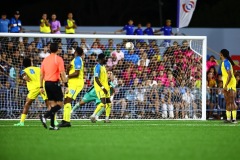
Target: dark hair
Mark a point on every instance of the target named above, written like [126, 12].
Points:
[79, 51]
[27, 62]
[54, 47]
[225, 54]
[101, 56]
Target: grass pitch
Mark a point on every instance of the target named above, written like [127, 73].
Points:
[125, 140]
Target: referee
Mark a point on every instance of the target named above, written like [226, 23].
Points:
[51, 69]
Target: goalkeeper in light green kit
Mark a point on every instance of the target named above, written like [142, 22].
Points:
[91, 96]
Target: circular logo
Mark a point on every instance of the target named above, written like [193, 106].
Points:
[187, 7]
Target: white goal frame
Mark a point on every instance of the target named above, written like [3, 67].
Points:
[135, 37]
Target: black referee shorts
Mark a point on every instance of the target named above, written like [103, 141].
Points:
[54, 91]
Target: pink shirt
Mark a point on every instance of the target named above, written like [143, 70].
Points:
[111, 63]
[120, 54]
[210, 64]
[168, 81]
[160, 68]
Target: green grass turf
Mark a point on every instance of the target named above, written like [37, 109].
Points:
[126, 140]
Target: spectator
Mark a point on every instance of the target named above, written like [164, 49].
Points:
[118, 52]
[55, 27]
[188, 101]
[4, 24]
[211, 81]
[94, 49]
[70, 27]
[129, 28]
[37, 43]
[167, 31]
[119, 97]
[131, 57]
[166, 104]
[148, 31]
[139, 31]
[177, 102]
[154, 100]
[15, 23]
[15, 26]
[99, 44]
[112, 62]
[110, 44]
[9, 49]
[108, 51]
[45, 28]
[83, 41]
[145, 60]
[44, 53]
[212, 62]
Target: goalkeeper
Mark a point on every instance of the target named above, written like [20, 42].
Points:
[91, 96]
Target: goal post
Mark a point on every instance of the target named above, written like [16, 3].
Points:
[142, 92]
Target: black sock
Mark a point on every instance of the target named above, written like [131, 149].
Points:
[53, 111]
[47, 114]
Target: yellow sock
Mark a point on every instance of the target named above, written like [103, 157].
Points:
[67, 112]
[99, 107]
[228, 113]
[23, 117]
[234, 114]
[55, 117]
[108, 110]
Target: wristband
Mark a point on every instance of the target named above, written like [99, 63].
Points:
[66, 76]
[66, 84]
[102, 87]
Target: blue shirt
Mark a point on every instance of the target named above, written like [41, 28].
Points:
[167, 30]
[97, 70]
[129, 29]
[4, 25]
[138, 31]
[77, 63]
[227, 64]
[17, 24]
[148, 31]
[131, 58]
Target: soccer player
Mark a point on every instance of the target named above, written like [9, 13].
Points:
[75, 85]
[52, 69]
[102, 88]
[229, 85]
[32, 76]
[92, 96]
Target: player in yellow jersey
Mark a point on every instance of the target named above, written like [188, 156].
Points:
[75, 85]
[102, 88]
[32, 76]
[229, 85]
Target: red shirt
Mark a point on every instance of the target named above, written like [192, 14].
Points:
[51, 67]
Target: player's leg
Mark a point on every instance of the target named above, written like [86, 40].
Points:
[176, 105]
[108, 110]
[99, 106]
[228, 108]
[70, 96]
[232, 96]
[98, 101]
[170, 109]
[25, 112]
[164, 111]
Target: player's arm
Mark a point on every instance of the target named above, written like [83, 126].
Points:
[42, 75]
[62, 71]
[228, 69]
[42, 22]
[25, 76]
[66, 25]
[96, 77]
[78, 66]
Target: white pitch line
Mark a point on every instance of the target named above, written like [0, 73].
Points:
[132, 125]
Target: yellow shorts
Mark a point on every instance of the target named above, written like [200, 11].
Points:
[73, 91]
[100, 94]
[35, 92]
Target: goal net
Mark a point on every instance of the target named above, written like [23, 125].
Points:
[160, 78]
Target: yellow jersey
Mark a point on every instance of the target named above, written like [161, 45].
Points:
[45, 28]
[34, 74]
[77, 64]
[101, 72]
[225, 67]
[70, 23]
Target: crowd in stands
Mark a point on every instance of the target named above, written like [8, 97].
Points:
[153, 80]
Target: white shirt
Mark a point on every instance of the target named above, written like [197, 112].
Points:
[44, 55]
[188, 98]
[146, 63]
